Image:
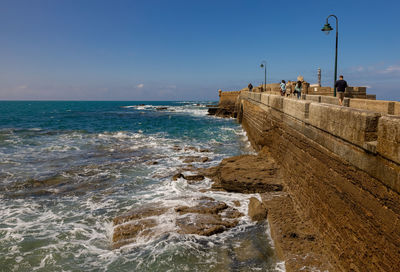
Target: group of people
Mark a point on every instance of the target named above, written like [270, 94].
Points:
[286, 88]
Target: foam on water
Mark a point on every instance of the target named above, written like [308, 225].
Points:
[101, 174]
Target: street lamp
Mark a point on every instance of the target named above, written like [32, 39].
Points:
[327, 28]
[264, 65]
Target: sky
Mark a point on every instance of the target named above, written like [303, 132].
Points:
[187, 50]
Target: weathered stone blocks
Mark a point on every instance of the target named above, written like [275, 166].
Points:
[396, 108]
[389, 137]
[265, 99]
[296, 108]
[315, 98]
[334, 100]
[276, 102]
[355, 126]
[351, 196]
[381, 106]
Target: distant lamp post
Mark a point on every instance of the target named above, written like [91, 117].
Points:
[264, 65]
[327, 28]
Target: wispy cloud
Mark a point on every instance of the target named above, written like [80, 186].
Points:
[377, 69]
[392, 69]
[139, 86]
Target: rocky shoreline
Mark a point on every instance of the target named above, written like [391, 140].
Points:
[295, 242]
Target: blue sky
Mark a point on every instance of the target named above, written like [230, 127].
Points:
[187, 50]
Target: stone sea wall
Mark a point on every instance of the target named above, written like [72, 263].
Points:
[341, 168]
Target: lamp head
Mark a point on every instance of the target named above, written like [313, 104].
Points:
[327, 28]
[262, 65]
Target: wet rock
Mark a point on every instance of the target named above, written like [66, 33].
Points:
[190, 178]
[194, 177]
[222, 112]
[294, 237]
[162, 108]
[124, 234]
[152, 163]
[191, 159]
[207, 217]
[246, 174]
[204, 159]
[236, 203]
[232, 213]
[256, 210]
[154, 209]
[187, 148]
[177, 176]
[205, 206]
[211, 172]
[203, 224]
[212, 110]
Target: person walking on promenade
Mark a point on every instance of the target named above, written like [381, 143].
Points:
[283, 88]
[288, 89]
[341, 86]
[250, 87]
[297, 89]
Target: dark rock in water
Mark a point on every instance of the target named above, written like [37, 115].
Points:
[204, 224]
[236, 203]
[145, 211]
[177, 148]
[205, 206]
[162, 108]
[246, 174]
[124, 234]
[212, 110]
[187, 148]
[232, 213]
[194, 177]
[204, 159]
[257, 211]
[190, 159]
[177, 176]
[222, 112]
[206, 218]
[152, 163]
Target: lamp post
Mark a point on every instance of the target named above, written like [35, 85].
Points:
[327, 28]
[264, 65]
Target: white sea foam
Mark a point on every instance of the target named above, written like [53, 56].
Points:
[66, 227]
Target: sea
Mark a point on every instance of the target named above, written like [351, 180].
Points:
[67, 168]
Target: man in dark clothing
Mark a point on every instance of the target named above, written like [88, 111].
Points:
[341, 86]
[250, 87]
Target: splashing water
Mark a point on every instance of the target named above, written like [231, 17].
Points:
[68, 168]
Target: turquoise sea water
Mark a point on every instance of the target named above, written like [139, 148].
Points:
[68, 168]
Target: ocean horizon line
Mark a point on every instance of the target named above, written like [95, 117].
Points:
[71, 100]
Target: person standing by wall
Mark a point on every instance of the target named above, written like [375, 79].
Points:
[297, 89]
[341, 86]
[250, 87]
[283, 88]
